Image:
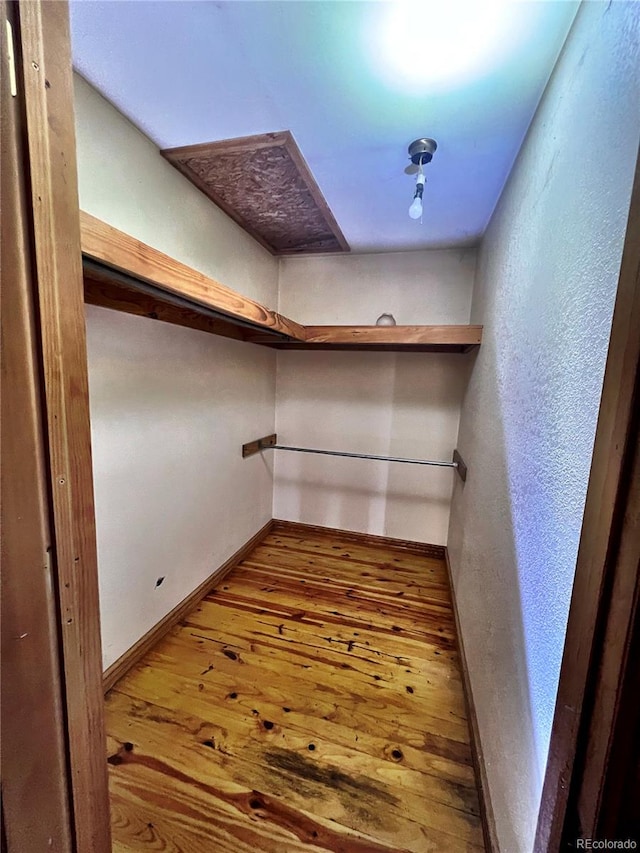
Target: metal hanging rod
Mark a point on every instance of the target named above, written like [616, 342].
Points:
[269, 442]
[366, 456]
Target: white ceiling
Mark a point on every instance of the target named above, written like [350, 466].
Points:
[355, 82]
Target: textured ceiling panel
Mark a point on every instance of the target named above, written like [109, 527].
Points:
[264, 184]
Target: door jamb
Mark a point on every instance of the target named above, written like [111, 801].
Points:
[44, 80]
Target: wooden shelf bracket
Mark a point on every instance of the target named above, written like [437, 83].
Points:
[253, 447]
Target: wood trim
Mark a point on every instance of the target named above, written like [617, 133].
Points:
[609, 774]
[596, 562]
[479, 766]
[48, 94]
[314, 189]
[297, 528]
[35, 782]
[135, 654]
[247, 146]
[118, 250]
[239, 144]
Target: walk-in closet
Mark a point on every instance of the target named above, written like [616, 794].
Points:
[319, 426]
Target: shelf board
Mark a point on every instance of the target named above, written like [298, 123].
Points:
[118, 251]
[443, 338]
[123, 274]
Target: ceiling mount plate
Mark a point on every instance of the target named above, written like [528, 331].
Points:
[421, 151]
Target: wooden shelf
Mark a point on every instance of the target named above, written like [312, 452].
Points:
[139, 264]
[124, 274]
[396, 338]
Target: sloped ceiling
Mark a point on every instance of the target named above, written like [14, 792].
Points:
[355, 82]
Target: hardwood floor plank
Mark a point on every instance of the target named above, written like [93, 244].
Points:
[315, 704]
[363, 656]
[339, 789]
[277, 761]
[304, 705]
[291, 568]
[384, 620]
[434, 756]
[293, 528]
[439, 737]
[395, 647]
[399, 559]
[327, 672]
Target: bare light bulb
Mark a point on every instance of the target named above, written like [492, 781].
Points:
[415, 211]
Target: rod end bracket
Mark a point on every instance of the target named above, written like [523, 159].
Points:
[259, 444]
[461, 468]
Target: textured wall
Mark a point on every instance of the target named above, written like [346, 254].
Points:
[170, 406]
[545, 287]
[399, 404]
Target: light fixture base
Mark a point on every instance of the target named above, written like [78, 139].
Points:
[421, 151]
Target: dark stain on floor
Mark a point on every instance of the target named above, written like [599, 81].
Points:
[358, 794]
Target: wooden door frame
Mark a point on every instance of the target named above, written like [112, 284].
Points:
[606, 791]
[35, 790]
[48, 288]
[603, 573]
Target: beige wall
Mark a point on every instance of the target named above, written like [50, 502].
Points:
[125, 182]
[427, 287]
[400, 404]
[545, 287]
[170, 406]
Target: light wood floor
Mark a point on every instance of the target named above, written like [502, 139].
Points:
[312, 702]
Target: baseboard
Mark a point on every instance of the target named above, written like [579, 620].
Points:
[298, 528]
[486, 809]
[131, 657]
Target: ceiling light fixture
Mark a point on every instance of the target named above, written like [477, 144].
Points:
[421, 152]
[465, 41]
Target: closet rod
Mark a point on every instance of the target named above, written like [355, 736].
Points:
[269, 442]
[363, 456]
